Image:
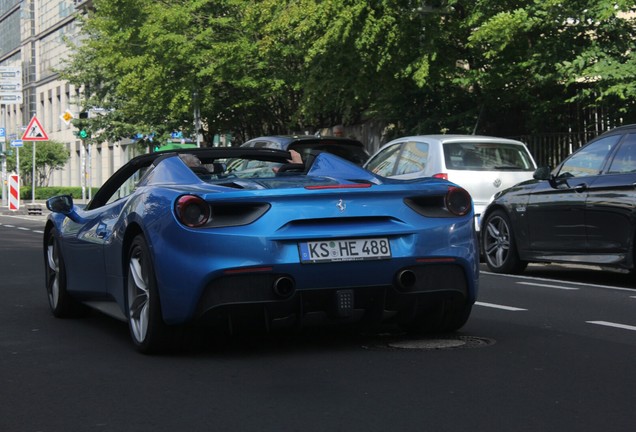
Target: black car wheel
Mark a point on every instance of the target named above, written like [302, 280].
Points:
[499, 246]
[147, 329]
[61, 303]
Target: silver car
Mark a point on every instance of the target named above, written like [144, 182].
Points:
[482, 165]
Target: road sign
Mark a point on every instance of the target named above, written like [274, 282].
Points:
[67, 117]
[35, 131]
[3, 135]
[17, 143]
[10, 73]
[14, 192]
[10, 98]
[10, 86]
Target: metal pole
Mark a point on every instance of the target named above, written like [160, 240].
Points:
[90, 170]
[4, 158]
[83, 170]
[33, 175]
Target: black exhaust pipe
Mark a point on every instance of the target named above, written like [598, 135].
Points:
[406, 280]
[284, 287]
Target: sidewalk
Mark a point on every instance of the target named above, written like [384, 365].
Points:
[36, 208]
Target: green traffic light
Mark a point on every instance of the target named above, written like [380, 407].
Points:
[83, 134]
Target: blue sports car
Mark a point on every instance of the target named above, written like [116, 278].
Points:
[193, 236]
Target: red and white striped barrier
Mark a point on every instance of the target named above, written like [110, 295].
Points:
[14, 192]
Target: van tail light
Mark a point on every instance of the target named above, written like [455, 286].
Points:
[443, 176]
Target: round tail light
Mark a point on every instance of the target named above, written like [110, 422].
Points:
[192, 211]
[458, 201]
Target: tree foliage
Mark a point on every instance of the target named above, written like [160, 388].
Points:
[49, 156]
[278, 66]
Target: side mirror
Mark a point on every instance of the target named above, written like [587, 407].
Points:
[64, 204]
[60, 204]
[542, 173]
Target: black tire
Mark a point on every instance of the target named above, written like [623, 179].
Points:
[148, 331]
[60, 301]
[499, 247]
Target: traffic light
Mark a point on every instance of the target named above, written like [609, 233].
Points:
[83, 134]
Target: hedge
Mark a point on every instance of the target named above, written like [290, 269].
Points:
[42, 193]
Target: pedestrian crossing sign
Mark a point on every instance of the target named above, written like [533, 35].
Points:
[35, 131]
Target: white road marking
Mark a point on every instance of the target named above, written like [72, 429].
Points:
[553, 280]
[548, 286]
[611, 324]
[496, 306]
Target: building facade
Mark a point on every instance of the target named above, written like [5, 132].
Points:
[33, 35]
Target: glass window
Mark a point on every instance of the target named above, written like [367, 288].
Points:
[413, 158]
[487, 156]
[128, 186]
[625, 159]
[383, 163]
[588, 161]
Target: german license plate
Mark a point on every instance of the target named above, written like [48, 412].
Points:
[344, 250]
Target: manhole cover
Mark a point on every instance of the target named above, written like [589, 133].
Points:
[441, 343]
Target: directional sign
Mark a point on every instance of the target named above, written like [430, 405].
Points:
[35, 131]
[10, 87]
[17, 143]
[10, 98]
[10, 73]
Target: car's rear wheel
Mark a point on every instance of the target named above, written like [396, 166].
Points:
[499, 245]
[61, 303]
[148, 331]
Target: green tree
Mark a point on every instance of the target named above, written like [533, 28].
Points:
[49, 156]
[273, 66]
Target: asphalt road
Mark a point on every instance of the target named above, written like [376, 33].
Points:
[551, 351]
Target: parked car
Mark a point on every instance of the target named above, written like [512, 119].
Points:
[310, 145]
[584, 211]
[171, 240]
[482, 165]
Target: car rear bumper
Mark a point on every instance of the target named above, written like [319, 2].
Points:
[275, 300]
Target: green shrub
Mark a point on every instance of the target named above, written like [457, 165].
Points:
[43, 193]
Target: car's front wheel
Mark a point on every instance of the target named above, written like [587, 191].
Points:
[148, 331]
[61, 303]
[499, 245]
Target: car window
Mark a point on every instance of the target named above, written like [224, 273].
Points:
[354, 153]
[128, 186]
[625, 160]
[383, 163]
[487, 156]
[264, 144]
[588, 161]
[413, 158]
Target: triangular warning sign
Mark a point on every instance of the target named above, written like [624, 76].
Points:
[35, 131]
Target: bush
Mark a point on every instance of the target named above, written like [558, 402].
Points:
[43, 193]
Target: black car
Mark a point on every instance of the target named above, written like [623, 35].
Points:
[583, 211]
[347, 148]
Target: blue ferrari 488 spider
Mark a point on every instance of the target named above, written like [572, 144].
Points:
[227, 235]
